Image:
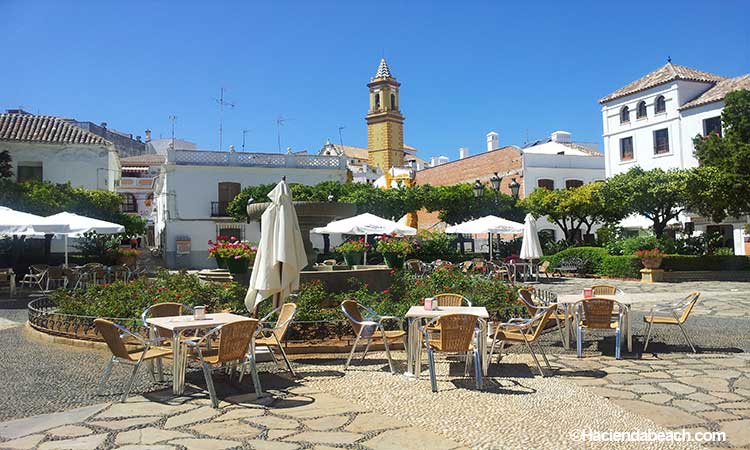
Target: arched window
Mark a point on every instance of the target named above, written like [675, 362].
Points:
[377, 100]
[546, 183]
[573, 184]
[641, 111]
[393, 102]
[660, 105]
[129, 204]
[625, 114]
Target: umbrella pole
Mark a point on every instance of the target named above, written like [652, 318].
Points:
[277, 297]
[66, 250]
[365, 261]
[490, 241]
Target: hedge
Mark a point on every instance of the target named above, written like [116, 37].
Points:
[621, 267]
[709, 262]
[592, 256]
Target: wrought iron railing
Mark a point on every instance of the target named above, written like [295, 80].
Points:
[219, 209]
[286, 160]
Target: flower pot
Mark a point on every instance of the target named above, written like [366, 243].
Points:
[353, 258]
[221, 263]
[394, 260]
[237, 265]
[651, 263]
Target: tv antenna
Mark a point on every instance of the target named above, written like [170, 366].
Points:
[341, 139]
[173, 119]
[222, 103]
[244, 133]
[279, 122]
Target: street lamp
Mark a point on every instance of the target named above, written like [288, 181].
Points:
[330, 198]
[495, 182]
[478, 189]
[514, 187]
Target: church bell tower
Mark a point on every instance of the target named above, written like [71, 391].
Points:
[385, 124]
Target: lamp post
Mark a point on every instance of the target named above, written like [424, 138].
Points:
[478, 189]
[495, 181]
[514, 187]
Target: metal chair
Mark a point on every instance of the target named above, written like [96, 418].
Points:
[120, 273]
[416, 267]
[528, 331]
[457, 335]
[526, 298]
[671, 314]
[56, 277]
[274, 336]
[235, 346]
[35, 277]
[597, 314]
[368, 326]
[114, 335]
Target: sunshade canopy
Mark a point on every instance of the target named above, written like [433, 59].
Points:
[487, 224]
[17, 222]
[365, 224]
[81, 224]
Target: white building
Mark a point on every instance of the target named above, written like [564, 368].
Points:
[357, 161]
[652, 121]
[46, 148]
[195, 187]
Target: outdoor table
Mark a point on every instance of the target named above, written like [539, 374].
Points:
[527, 269]
[568, 300]
[179, 324]
[414, 346]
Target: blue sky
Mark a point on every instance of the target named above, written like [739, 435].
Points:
[466, 68]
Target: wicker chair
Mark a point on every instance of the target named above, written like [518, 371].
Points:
[114, 335]
[370, 326]
[447, 299]
[55, 278]
[605, 289]
[120, 273]
[557, 318]
[416, 266]
[165, 309]
[500, 271]
[466, 266]
[72, 278]
[273, 337]
[671, 314]
[457, 335]
[527, 331]
[597, 314]
[234, 347]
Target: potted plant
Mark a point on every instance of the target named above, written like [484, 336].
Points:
[128, 257]
[651, 259]
[395, 249]
[353, 251]
[232, 254]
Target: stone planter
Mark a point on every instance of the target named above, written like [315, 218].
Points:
[353, 258]
[651, 263]
[394, 260]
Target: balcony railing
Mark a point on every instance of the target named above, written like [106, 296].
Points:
[219, 209]
[207, 158]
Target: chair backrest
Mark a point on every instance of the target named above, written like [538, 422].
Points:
[457, 332]
[541, 318]
[526, 298]
[352, 312]
[466, 265]
[414, 265]
[689, 302]
[544, 266]
[286, 315]
[165, 309]
[603, 289]
[111, 335]
[38, 268]
[120, 273]
[597, 312]
[447, 299]
[235, 340]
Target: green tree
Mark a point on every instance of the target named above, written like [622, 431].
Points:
[721, 185]
[6, 169]
[655, 194]
[457, 203]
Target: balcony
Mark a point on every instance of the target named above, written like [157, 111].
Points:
[219, 209]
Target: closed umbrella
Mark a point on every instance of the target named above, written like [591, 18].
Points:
[486, 225]
[531, 248]
[281, 251]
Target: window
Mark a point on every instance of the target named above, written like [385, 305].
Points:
[661, 141]
[377, 100]
[626, 149]
[660, 105]
[625, 114]
[712, 126]
[129, 204]
[546, 183]
[573, 184]
[393, 101]
[640, 113]
[227, 192]
[29, 172]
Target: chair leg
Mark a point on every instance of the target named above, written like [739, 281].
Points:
[684, 333]
[387, 350]
[367, 348]
[579, 343]
[151, 369]
[160, 369]
[618, 335]
[130, 381]
[478, 368]
[286, 360]
[648, 335]
[544, 355]
[255, 377]
[536, 360]
[210, 385]
[431, 364]
[105, 376]
[500, 351]
[467, 359]
[351, 353]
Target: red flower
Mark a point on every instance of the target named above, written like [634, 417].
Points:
[393, 271]
[177, 296]
[366, 285]
[418, 282]
[385, 291]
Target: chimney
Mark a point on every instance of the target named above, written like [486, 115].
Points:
[148, 135]
[493, 141]
[138, 138]
[103, 125]
[463, 152]
[433, 161]
[562, 137]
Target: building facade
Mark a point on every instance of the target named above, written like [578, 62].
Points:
[194, 188]
[47, 148]
[652, 121]
[385, 124]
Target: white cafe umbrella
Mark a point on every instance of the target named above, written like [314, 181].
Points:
[17, 222]
[281, 251]
[364, 225]
[78, 225]
[486, 225]
[531, 248]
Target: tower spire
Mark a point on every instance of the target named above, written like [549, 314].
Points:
[383, 70]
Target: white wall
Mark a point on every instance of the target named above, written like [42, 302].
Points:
[87, 166]
[692, 123]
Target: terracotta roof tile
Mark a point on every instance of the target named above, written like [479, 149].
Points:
[47, 129]
[664, 74]
[139, 160]
[719, 91]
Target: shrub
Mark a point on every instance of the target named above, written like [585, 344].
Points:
[591, 258]
[353, 246]
[707, 262]
[621, 266]
[435, 245]
[402, 246]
